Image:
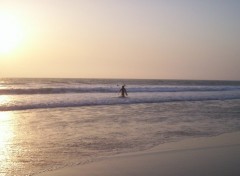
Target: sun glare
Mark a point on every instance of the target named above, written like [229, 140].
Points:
[11, 33]
[6, 138]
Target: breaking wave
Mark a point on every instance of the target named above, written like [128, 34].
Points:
[102, 89]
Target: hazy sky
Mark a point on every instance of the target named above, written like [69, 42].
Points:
[168, 39]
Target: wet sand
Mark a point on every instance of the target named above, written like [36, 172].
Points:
[215, 156]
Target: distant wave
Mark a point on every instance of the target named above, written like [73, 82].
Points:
[64, 90]
[113, 101]
[53, 91]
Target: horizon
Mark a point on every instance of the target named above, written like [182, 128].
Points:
[170, 79]
[177, 40]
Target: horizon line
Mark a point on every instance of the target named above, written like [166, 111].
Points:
[171, 79]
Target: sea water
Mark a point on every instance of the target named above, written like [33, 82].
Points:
[47, 124]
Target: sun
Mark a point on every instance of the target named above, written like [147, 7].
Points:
[11, 33]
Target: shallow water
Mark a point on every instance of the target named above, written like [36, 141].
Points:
[34, 141]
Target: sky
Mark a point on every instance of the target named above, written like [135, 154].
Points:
[143, 39]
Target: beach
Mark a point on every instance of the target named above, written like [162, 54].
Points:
[128, 88]
[215, 156]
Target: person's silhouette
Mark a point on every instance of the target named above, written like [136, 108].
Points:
[123, 91]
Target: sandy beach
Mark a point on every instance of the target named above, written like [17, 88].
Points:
[215, 156]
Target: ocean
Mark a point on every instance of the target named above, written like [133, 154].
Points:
[47, 124]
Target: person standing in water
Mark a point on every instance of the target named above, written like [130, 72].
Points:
[123, 91]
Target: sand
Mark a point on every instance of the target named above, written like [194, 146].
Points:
[213, 156]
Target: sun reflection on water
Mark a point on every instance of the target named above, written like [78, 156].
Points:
[6, 139]
[4, 99]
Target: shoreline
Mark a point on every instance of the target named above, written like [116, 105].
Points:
[215, 155]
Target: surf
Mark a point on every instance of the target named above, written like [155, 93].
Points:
[42, 101]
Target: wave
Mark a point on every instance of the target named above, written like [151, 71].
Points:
[99, 89]
[52, 91]
[63, 102]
